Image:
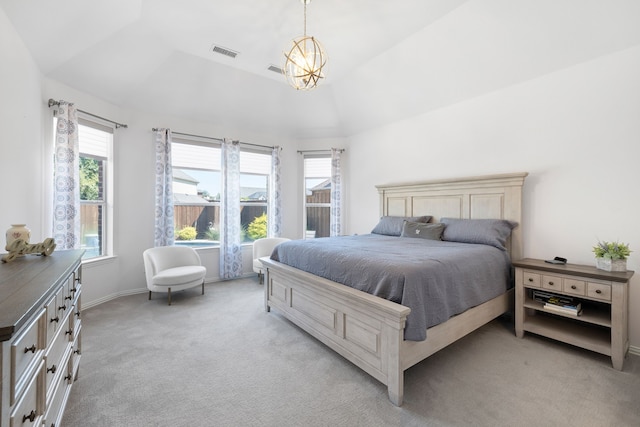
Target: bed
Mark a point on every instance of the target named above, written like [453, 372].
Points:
[369, 330]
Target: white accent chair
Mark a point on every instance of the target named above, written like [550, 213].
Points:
[264, 248]
[173, 268]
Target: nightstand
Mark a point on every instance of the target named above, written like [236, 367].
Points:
[603, 325]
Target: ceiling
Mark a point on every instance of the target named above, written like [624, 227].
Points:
[386, 59]
[156, 55]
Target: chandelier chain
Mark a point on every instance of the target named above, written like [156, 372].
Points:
[305, 18]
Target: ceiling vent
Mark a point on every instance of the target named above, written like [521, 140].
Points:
[224, 51]
[275, 69]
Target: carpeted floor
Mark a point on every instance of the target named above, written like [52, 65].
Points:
[221, 360]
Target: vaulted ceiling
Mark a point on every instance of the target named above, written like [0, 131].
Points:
[387, 59]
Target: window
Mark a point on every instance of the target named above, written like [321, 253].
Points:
[317, 201]
[95, 146]
[197, 188]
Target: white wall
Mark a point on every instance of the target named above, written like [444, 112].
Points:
[577, 133]
[21, 157]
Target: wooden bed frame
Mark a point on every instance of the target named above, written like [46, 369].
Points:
[368, 330]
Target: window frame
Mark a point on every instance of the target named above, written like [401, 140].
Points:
[305, 205]
[107, 234]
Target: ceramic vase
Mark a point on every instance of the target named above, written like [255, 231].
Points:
[18, 231]
[611, 265]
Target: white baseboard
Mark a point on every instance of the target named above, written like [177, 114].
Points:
[141, 291]
[634, 350]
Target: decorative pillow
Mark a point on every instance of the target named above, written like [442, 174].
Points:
[493, 232]
[392, 225]
[422, 230]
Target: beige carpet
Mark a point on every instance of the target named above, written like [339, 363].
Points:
[221, 360]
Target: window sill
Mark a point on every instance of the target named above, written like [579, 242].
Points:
[94, 262]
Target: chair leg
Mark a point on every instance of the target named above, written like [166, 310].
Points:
[149, 295]
[169, 295]
[261, 277]
[203, 287]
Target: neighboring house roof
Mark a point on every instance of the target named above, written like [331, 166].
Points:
[180, 175]
[324, 185]
[188, 199]
[258, 195]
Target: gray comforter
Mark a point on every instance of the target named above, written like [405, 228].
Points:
[436, 279]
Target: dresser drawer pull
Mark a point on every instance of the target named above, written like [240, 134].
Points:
[55, 319]
[69, 332]
[31, 417]
[77, 352]
[573, 287]
[550, 283]
[52, 369]
[68, 377]
[530, 279]
[68, 297]
[598, 291]
[78, 314]
[31, 349]
[62, 307]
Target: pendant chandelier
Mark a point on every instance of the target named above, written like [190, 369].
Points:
[305, 60]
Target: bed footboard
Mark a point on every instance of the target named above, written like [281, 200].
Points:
[366, 330]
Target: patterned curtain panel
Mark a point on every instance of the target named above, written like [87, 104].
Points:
[335, 221]
[164, 234]
[66, 198]
[230, 249]
[274, 213]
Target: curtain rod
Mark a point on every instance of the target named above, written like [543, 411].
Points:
[341, 150]
[53, 102]
[215, 139]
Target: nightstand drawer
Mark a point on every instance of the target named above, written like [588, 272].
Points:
[599, 291]
[531, 279]
[553, 283]
[574, 287]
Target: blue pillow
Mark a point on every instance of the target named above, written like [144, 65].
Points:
[493, 232]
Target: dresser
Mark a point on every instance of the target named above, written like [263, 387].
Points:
[602, 325]
[40, 333]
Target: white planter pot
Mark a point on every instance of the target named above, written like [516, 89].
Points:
[611, 265]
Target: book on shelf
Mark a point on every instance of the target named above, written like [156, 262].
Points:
[565, 310]
[564, 303]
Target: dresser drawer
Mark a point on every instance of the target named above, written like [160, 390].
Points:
[25, 351]
[531, 279]
[599, 291]
[55, 357]
[54, 319]
[55, 408]
[29, 409]
[552, 283]
[574, 287]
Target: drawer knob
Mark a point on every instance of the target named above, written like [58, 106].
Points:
[31, 417]
[550, 283]
[531, 279]
[68, 297]
[52, 369]
[55, 319]
[77, 352]
[573, 286]
[598, 291]
[62, 307]
[69, 332]
[68, 377]
[31, 349]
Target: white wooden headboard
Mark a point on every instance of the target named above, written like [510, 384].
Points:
[491, 196]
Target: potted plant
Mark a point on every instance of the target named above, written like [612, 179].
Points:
[611, 256]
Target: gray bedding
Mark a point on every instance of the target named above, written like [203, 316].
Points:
[436, 279]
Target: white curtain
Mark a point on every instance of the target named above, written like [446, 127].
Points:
[230, 249]
[66, 198]
[164, 231]
[335, 221]
[274, 213]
